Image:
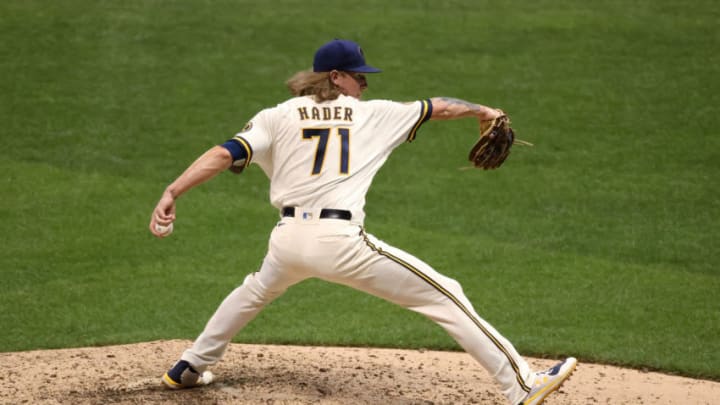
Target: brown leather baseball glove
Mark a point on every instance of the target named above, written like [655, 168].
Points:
[493, 146]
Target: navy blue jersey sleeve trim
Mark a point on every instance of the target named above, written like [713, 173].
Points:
[240, 150]
[425, 114]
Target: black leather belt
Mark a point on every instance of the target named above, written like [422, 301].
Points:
[325, 213]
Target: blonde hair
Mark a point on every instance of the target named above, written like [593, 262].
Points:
[309, 83]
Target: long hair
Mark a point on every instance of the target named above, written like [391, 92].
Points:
[317, 84]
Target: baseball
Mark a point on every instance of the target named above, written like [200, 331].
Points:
[165, 230]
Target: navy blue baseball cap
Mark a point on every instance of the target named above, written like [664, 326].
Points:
[343, 55]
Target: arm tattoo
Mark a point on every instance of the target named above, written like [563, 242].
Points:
[456, 101]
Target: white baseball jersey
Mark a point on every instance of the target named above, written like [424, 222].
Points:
[326, 154]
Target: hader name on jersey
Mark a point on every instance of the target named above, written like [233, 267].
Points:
[325, 113]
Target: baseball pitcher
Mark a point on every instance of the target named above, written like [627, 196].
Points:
[321, 149]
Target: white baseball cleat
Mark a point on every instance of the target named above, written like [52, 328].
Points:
[183, 375]
[548, 381]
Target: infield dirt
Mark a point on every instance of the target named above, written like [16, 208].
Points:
[258, 374]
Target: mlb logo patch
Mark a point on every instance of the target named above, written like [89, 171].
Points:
[307, 215]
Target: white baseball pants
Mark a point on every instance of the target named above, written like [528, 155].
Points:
[340, 251]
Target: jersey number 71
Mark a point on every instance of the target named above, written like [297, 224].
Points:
[323, 134]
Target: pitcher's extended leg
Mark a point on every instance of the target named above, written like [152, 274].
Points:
[403, 279]
[237, 310]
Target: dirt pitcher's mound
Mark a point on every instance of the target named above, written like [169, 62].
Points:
[256, 374]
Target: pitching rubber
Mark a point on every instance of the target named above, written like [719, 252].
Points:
[206, 378]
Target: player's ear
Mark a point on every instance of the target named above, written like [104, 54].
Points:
[334, 75]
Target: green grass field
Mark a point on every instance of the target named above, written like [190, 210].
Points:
[599, 242]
